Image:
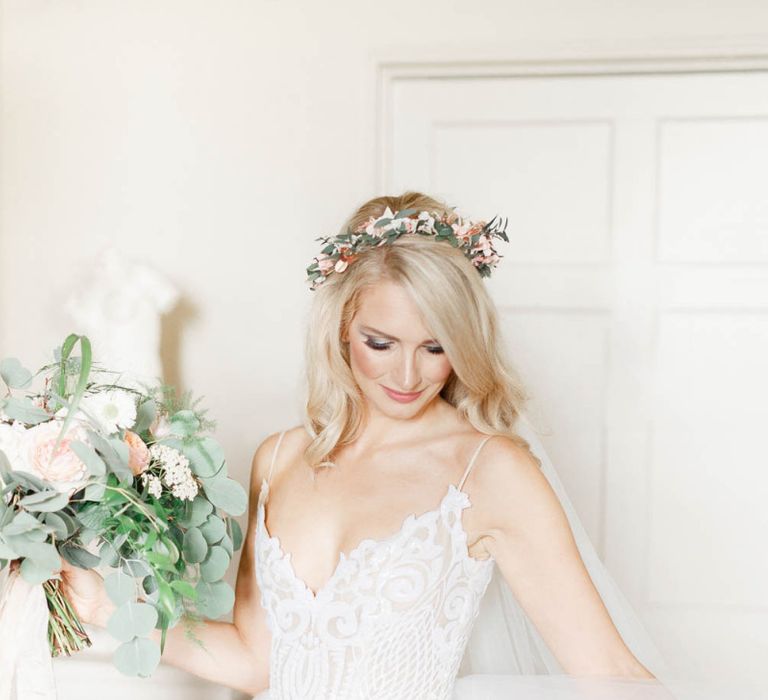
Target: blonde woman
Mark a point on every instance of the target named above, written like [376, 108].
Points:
[409, 500]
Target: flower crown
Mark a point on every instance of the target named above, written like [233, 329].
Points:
[475, 238]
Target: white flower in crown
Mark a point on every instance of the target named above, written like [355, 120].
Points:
[376, 229]
[112, 409]
[428, 219]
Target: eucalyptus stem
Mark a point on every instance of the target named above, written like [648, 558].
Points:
[65, 631]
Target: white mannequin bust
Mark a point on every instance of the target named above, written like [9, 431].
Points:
[120, 308]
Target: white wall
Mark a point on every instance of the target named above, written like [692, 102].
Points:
[218, 139]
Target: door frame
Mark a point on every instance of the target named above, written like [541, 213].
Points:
[685, 55]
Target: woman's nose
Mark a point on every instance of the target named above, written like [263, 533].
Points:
[407, 372]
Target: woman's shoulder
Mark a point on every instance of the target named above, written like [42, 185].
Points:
[288, 440]
[507, 478]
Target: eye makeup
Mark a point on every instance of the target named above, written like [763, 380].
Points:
[375, 344]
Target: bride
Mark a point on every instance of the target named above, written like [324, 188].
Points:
[409, 501]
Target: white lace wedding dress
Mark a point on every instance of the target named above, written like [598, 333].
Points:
[394, 619]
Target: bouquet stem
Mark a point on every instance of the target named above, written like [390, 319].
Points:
[65, 631]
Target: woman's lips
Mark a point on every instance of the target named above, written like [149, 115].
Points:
[399, 396]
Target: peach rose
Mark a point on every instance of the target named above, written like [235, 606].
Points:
[138, 453]
[62, 469]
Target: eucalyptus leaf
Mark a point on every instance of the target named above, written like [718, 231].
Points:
[44, 554]
[93, 463]
[77, 556]
[195, 547]
[108, 555]
[196, 512]
[94, 492]
[13, 374]
[23, 410]
[46, 501]
[184, 423]
[6, 515]
[6, 551]
[235, 533]
[146, 412]
[58, 524]
[213, 529]
[132, 620]
[137, 657]
[205, 455]
[214, 599]
[87, 535]
[21, 523]
[120, 587]
[34, 573]
[226, 494]
[29, 481]
[215, 564]
[70, 522]
[115, 455]
[226, 543]
[136, 568]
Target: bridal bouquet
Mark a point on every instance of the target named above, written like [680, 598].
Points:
[126, 480]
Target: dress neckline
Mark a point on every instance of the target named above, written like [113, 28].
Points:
[364, 545]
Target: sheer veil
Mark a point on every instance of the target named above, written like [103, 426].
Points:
[505, 641]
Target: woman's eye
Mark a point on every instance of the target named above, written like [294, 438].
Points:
[376, 346]
[435, 350]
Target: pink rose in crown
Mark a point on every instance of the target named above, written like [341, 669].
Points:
[324, 262]
[61, 468]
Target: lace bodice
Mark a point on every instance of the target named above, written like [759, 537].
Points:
[392, 621]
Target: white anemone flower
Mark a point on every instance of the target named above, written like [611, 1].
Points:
[111, 410]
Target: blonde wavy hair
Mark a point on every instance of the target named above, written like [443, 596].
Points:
[457, 310]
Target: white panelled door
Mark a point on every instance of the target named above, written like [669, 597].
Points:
[634, 294]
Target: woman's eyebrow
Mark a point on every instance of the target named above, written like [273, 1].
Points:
[382, 334]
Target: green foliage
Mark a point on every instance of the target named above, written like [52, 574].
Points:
[213, 529]
[46, 501]
[138, 657]
[78, 556]
[214, 599]
[132, 620]
[146, 412]
[89, 458]
[185, 423]
[13, 374]
[227, 494]
[23, 410]
[115, 454]
[195, 547]
[196, 512]
[215, 564]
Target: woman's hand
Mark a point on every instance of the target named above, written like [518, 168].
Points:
[85, 590]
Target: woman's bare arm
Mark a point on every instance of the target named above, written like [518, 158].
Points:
[529, 536]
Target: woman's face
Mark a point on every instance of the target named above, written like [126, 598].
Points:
[400, 369]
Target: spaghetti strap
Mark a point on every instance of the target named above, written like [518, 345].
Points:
[274, 455]
[472, 460]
